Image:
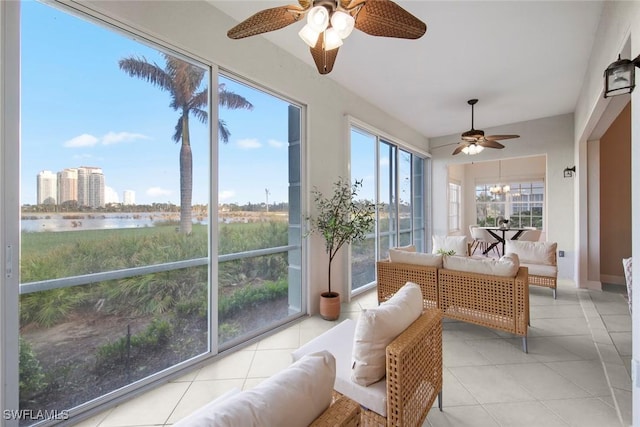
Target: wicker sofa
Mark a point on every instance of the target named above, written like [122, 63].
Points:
[496, 302]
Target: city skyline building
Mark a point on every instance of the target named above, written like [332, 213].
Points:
[46, 188]
[68, 186]
[129, 197]
[90, 187]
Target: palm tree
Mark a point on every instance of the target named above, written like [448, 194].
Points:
[182, 80]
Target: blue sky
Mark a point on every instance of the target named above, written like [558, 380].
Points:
[79, 109]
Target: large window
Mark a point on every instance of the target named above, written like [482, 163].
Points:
[394, 178]
[520, 202]
[455, 206]
[145, 246]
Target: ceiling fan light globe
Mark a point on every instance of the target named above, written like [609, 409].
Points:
[343, 23]
[472, 149]
[331, 39]
[309, 35]
[318, 18]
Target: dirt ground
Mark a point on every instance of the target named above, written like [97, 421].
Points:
[67, 352]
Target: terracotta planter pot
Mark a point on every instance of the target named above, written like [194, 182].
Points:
[330, 305]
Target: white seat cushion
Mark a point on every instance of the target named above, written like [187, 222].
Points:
[339, 342]
[542, 270]
[506, 266]
[418, 258]
[533, 252]
[448, 243]
[295, 396]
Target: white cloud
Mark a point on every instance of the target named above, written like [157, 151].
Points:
[248, 143]
[88, 140]
[117, 137]
[275, 143]
[225, 195]
[84, 140]
[158, 192]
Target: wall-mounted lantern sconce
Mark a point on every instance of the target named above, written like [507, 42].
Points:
[568, 172]
[619, 77]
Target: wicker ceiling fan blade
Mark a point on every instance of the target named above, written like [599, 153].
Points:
[384, 18]
[324, 59]
[500, 137]
[490, 144]
[459, 148]
[267, 20]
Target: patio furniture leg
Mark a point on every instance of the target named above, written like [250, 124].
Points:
[524, 345]
[440, 400]
[554, 293]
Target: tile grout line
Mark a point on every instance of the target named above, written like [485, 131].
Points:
[585, 300]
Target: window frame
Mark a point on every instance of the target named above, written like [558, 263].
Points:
[423, 199]
[454, 205]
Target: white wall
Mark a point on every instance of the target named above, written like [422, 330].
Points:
[551, 137]
[200, 29]
[619, 28]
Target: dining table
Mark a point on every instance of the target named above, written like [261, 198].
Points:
[500, 234]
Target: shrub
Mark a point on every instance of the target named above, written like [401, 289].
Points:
[32, 378]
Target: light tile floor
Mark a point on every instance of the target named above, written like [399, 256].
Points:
[575, 374]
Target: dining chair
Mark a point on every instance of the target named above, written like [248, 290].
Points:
[483, 239]
[531, 235]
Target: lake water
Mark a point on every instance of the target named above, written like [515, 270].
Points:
[79, 221]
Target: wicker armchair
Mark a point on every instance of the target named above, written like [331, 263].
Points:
[413, 370]
[343, 412]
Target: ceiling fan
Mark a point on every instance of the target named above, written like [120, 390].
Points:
[331, 21]
[474, 141]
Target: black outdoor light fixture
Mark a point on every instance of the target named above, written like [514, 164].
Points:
[619, 77]
[568, 172]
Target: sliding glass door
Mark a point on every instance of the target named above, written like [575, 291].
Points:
[146, 245]
[394, 177]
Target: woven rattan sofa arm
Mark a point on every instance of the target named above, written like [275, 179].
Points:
[343, 412]
[394, 275]
[414, 370]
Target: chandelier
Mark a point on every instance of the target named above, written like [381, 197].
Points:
[499, 189]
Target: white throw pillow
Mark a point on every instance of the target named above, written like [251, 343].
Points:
[506, 266]
[377, 327]
[295, 396]
[419, 258]
[448, 243]
[533, 252]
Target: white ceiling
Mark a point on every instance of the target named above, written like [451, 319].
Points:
[523, 60]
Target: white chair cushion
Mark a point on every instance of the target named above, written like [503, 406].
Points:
[533, 252]
[295, 396]
[448, 243]
[542, 269]
[339, 341]
[506, 266]
[418, 258]
[377, 327]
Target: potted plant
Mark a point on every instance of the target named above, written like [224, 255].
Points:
[341, 220]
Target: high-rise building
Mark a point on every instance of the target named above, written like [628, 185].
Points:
[47, 188]
[129, 197]
[90, 187]
[110, 195]
[68, 186]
